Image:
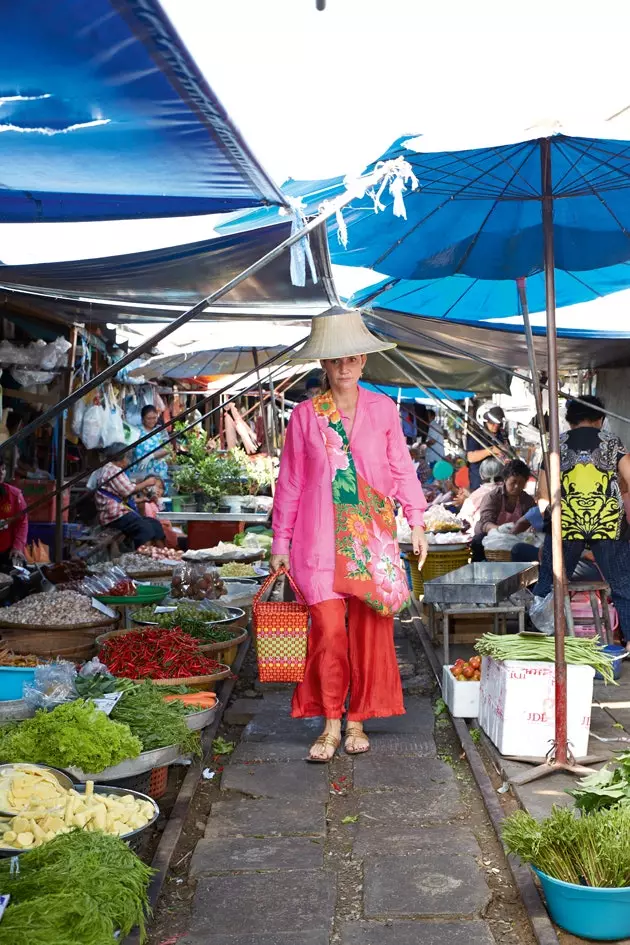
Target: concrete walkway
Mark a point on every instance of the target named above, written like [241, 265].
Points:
[392, 848]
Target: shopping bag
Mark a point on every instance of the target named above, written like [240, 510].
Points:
[281, 629]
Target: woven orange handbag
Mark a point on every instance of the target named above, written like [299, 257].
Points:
[281, 631]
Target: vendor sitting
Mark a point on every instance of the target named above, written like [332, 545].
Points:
[506, 503]
[150, 504]
[13, 522]
[113, 491]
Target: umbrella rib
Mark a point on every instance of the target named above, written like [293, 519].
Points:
[612, 169]
[458, 300]
[596, 194]
[484, 173]
[420, 223]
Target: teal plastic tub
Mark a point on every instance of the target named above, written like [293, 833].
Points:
[599, 915]
[12, 679]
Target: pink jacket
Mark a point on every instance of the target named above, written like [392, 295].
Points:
[303, 518]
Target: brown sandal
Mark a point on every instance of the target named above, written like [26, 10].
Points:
[327, 741]
[354, 731]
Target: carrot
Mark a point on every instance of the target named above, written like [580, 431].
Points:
[205, 699]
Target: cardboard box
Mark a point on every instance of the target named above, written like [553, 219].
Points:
[517, 706]
[462, 698]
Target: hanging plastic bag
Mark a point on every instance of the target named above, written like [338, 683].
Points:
[541, 614]
[56, 354]
[92, 429]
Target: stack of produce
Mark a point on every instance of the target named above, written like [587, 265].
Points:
[191, 702]
[156, 653]
[123, 588]
[75, 734]
[191, 619]
[81, 887]
[160, 554]
[235, 569]
[58, 609]
[7, 658]
[467, 670]
[47, 809]
[579, 651]
[197, 583]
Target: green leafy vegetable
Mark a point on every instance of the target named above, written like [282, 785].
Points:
[608, 787]
[94, 687]
[155, 722]
[75, 734]
[350, 820]
[81, 887]
[591, 850]
[222, 747]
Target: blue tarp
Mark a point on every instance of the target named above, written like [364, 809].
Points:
[415, 394]
[104, 115]
[462, 299]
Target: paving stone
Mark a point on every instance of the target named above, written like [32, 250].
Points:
[472, 932]
[247, 853]
[433, 805]
[388, 841]
[418, 717]
[375, 772]
[239, 905]
[266, 725]
[420, 745]
[241, 711]
[442, 884]
[274, 747]
[261, 938]
[278, 779]
[269, 817]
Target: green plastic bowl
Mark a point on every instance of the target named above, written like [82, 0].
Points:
[147, 594]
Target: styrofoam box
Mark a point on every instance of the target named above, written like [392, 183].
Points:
[462, 698]
[517, 706]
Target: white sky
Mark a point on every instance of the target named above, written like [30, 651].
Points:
[317, 94]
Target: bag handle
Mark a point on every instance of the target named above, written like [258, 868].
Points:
[271, 580]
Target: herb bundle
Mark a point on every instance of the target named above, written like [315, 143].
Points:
[605, 788]
[590, 850]
[155, 722]
[578, 651]
[81, 887]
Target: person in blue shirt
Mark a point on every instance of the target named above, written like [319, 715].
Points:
[476, 451]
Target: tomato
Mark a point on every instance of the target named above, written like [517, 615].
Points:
[460, 678]
[477, 676]
[454, 670]
[459, 662]
[475, 662]
[468, 672]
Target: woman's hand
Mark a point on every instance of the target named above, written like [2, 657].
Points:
[420, 545]
[279, 561]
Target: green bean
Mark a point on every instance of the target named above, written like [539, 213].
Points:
[577, 651]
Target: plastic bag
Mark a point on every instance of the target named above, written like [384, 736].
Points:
[196, 582]
[92, 427]
[541, 614]
[52, 685]
[55, 355]
[31, 378]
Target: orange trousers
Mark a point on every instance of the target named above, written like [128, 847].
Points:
[350, 649]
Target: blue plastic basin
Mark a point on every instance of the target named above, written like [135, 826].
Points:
[614, 652]
[600, 915]
[12, 679]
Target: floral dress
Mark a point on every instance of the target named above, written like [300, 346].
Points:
[150, 466]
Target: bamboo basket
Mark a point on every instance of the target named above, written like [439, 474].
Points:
[494, 555]
[75, 644]
[437, 564]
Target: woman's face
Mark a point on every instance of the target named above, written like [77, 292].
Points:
[150, 419]
[514, 485]
[344, 373]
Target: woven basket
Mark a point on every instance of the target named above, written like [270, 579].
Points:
[281, 632]
[67, 644]
[497, 555]
[224, 651]
[437, 564]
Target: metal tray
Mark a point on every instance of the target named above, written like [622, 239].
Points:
[485, 582]
[146, 761]
[231, 614]
[198, 720]
[102, 789]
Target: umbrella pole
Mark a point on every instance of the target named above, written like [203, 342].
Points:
[531, 354]
[559, 759]
[261, 397]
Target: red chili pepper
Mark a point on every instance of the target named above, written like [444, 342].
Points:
[158, 654]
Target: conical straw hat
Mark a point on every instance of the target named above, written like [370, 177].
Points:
[340, 333]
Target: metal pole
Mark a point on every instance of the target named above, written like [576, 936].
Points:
[60, 462]
[261, 398]
[330, 209]
[531, 354]
[561, 751]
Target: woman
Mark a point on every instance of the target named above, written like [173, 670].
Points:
[506, 503]
[155, 464]
[13, 522]
[491, 472]
[344, 456]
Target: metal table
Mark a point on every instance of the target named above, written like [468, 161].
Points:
[249, 518]
[483, 588]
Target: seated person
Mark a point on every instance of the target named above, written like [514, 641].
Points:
[507, 502]
[150, 503]
[113, 492]
[585, 570]
[491, 472]
[13, 525]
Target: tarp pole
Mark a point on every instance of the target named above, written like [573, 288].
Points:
[60, 467]
[533, 367]
[261, 398]
[559, 577]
